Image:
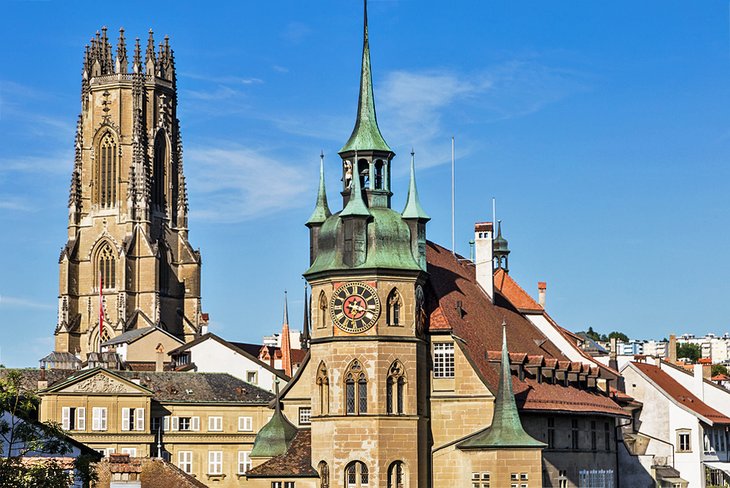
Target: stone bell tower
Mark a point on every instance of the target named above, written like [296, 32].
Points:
[368, 346]
[127, 262]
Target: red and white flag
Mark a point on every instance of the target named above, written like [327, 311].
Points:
[101, 307]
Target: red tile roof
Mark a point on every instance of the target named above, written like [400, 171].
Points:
[680, 394]
[479, 326]
[514, 292]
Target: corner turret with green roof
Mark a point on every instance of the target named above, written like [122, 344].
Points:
[275, 437]
[506, 429]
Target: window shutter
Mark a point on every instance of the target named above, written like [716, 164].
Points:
[125, 418]
[175, 423]
[66, 418]
[195, 423]
[95, 418]
[211, 423]
[166, 423]
[103, 419]
[81, 418]
[139, 419]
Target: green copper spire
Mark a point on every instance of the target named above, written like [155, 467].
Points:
[506, 429]
[274, 438]
[321, 209]
[355, 205]
[366, 135]
[413, 208]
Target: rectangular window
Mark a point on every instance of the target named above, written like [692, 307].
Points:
[215, 462]
[98, 418]
[81, 419]
[607, 436]
[443, 360]
[185, 461]
[132, 451]
[563, 478]
[288, 484]
[551, 432]
[305, 415]
[215, 424]
[252, 377]
[133, 419]
[480, 480]
[245, 424]
[683, 441]
[139, 419]
[244, 462]
[186, 423]
[594, 436]
[350, 396]
[514, 476]
[574, 433]
[277, 484]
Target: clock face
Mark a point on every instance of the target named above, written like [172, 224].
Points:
[355, 307]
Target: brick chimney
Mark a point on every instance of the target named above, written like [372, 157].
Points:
[541, 288]
[42, 381]
[613, 354]
[483, 232]
[159, 357]
[672, 353]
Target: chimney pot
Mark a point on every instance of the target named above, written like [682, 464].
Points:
[483, 234]
[672, 349]
[541, 289]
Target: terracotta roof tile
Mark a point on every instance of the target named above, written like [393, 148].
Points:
[514, 292]
[680, 394]
[452, 280]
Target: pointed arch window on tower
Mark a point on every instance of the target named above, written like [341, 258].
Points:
[106, 178]
[107, 266]
[323, 385]
[396, 475]
[357, 475]
[159, 171]
[379, 174]
[356, 390]
[322, 310]
[324, 475]
[395, 389]
[394, 308]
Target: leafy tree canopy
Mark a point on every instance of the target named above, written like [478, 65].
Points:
[689, 351]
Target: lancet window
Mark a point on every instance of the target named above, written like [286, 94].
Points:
[322, 310]
[395, 302]
[106, 178]
[395, 389]
[396, 475]
[356, 389]
[324, 475]
[159, 171]
[357, 475]
[323, 385]
[107, 266]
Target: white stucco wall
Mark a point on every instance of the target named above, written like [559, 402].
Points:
[211, 356]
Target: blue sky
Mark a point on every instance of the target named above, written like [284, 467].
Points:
[602, 128]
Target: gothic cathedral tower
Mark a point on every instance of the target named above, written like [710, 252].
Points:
[367, 273]
[127, 263]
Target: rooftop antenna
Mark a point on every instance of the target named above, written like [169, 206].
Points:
[453, 244]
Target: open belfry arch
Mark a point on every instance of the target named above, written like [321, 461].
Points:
[127, 261]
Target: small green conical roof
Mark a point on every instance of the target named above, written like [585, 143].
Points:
[500, 243]
[321, 209]
[275, 437]
[506, 429]
[413, 208]
[355, 205]
[366, 135]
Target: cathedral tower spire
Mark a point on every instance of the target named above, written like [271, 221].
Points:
[416, 217]
[321, 213]
[501, 250]
[286, 362]
[127, 204]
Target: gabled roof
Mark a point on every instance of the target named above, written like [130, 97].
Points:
[135, 334]
[477, 322]
[681, 395]
[509, 288]
[249, 351]
[114, 383]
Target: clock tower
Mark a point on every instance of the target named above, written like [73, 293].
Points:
[368, 347]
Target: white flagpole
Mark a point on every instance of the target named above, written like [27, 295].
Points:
[453, 241]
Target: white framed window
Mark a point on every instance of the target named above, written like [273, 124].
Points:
[215, 424]
[563, 478]
[245, 424]
[73, 418]
[133, 419]
[600, 478]
[185, 424]
[305, 415]
[98, 418]
[684, 443]
[443, 360]
[132, 451]
[252, 377]
[215, 462]
[481, 480]
[244, 462]
[185, 461]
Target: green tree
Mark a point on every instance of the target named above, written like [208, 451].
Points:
[21, 435]
[592, 334]
[689, 351]
[618, 335]
[719, 369]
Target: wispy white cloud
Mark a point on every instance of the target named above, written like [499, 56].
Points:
[16, 204]
[17, 302]
[296, 32]
[225, 80]
[59, 163]
[238, 183]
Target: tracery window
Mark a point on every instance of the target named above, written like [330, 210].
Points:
[356, 389]
[357, 475]
[159, 171]
[394, 308]
[323, 385]
[107, 266]
[106, 178]
[395, 386]
[324, 475]
[396, 475]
